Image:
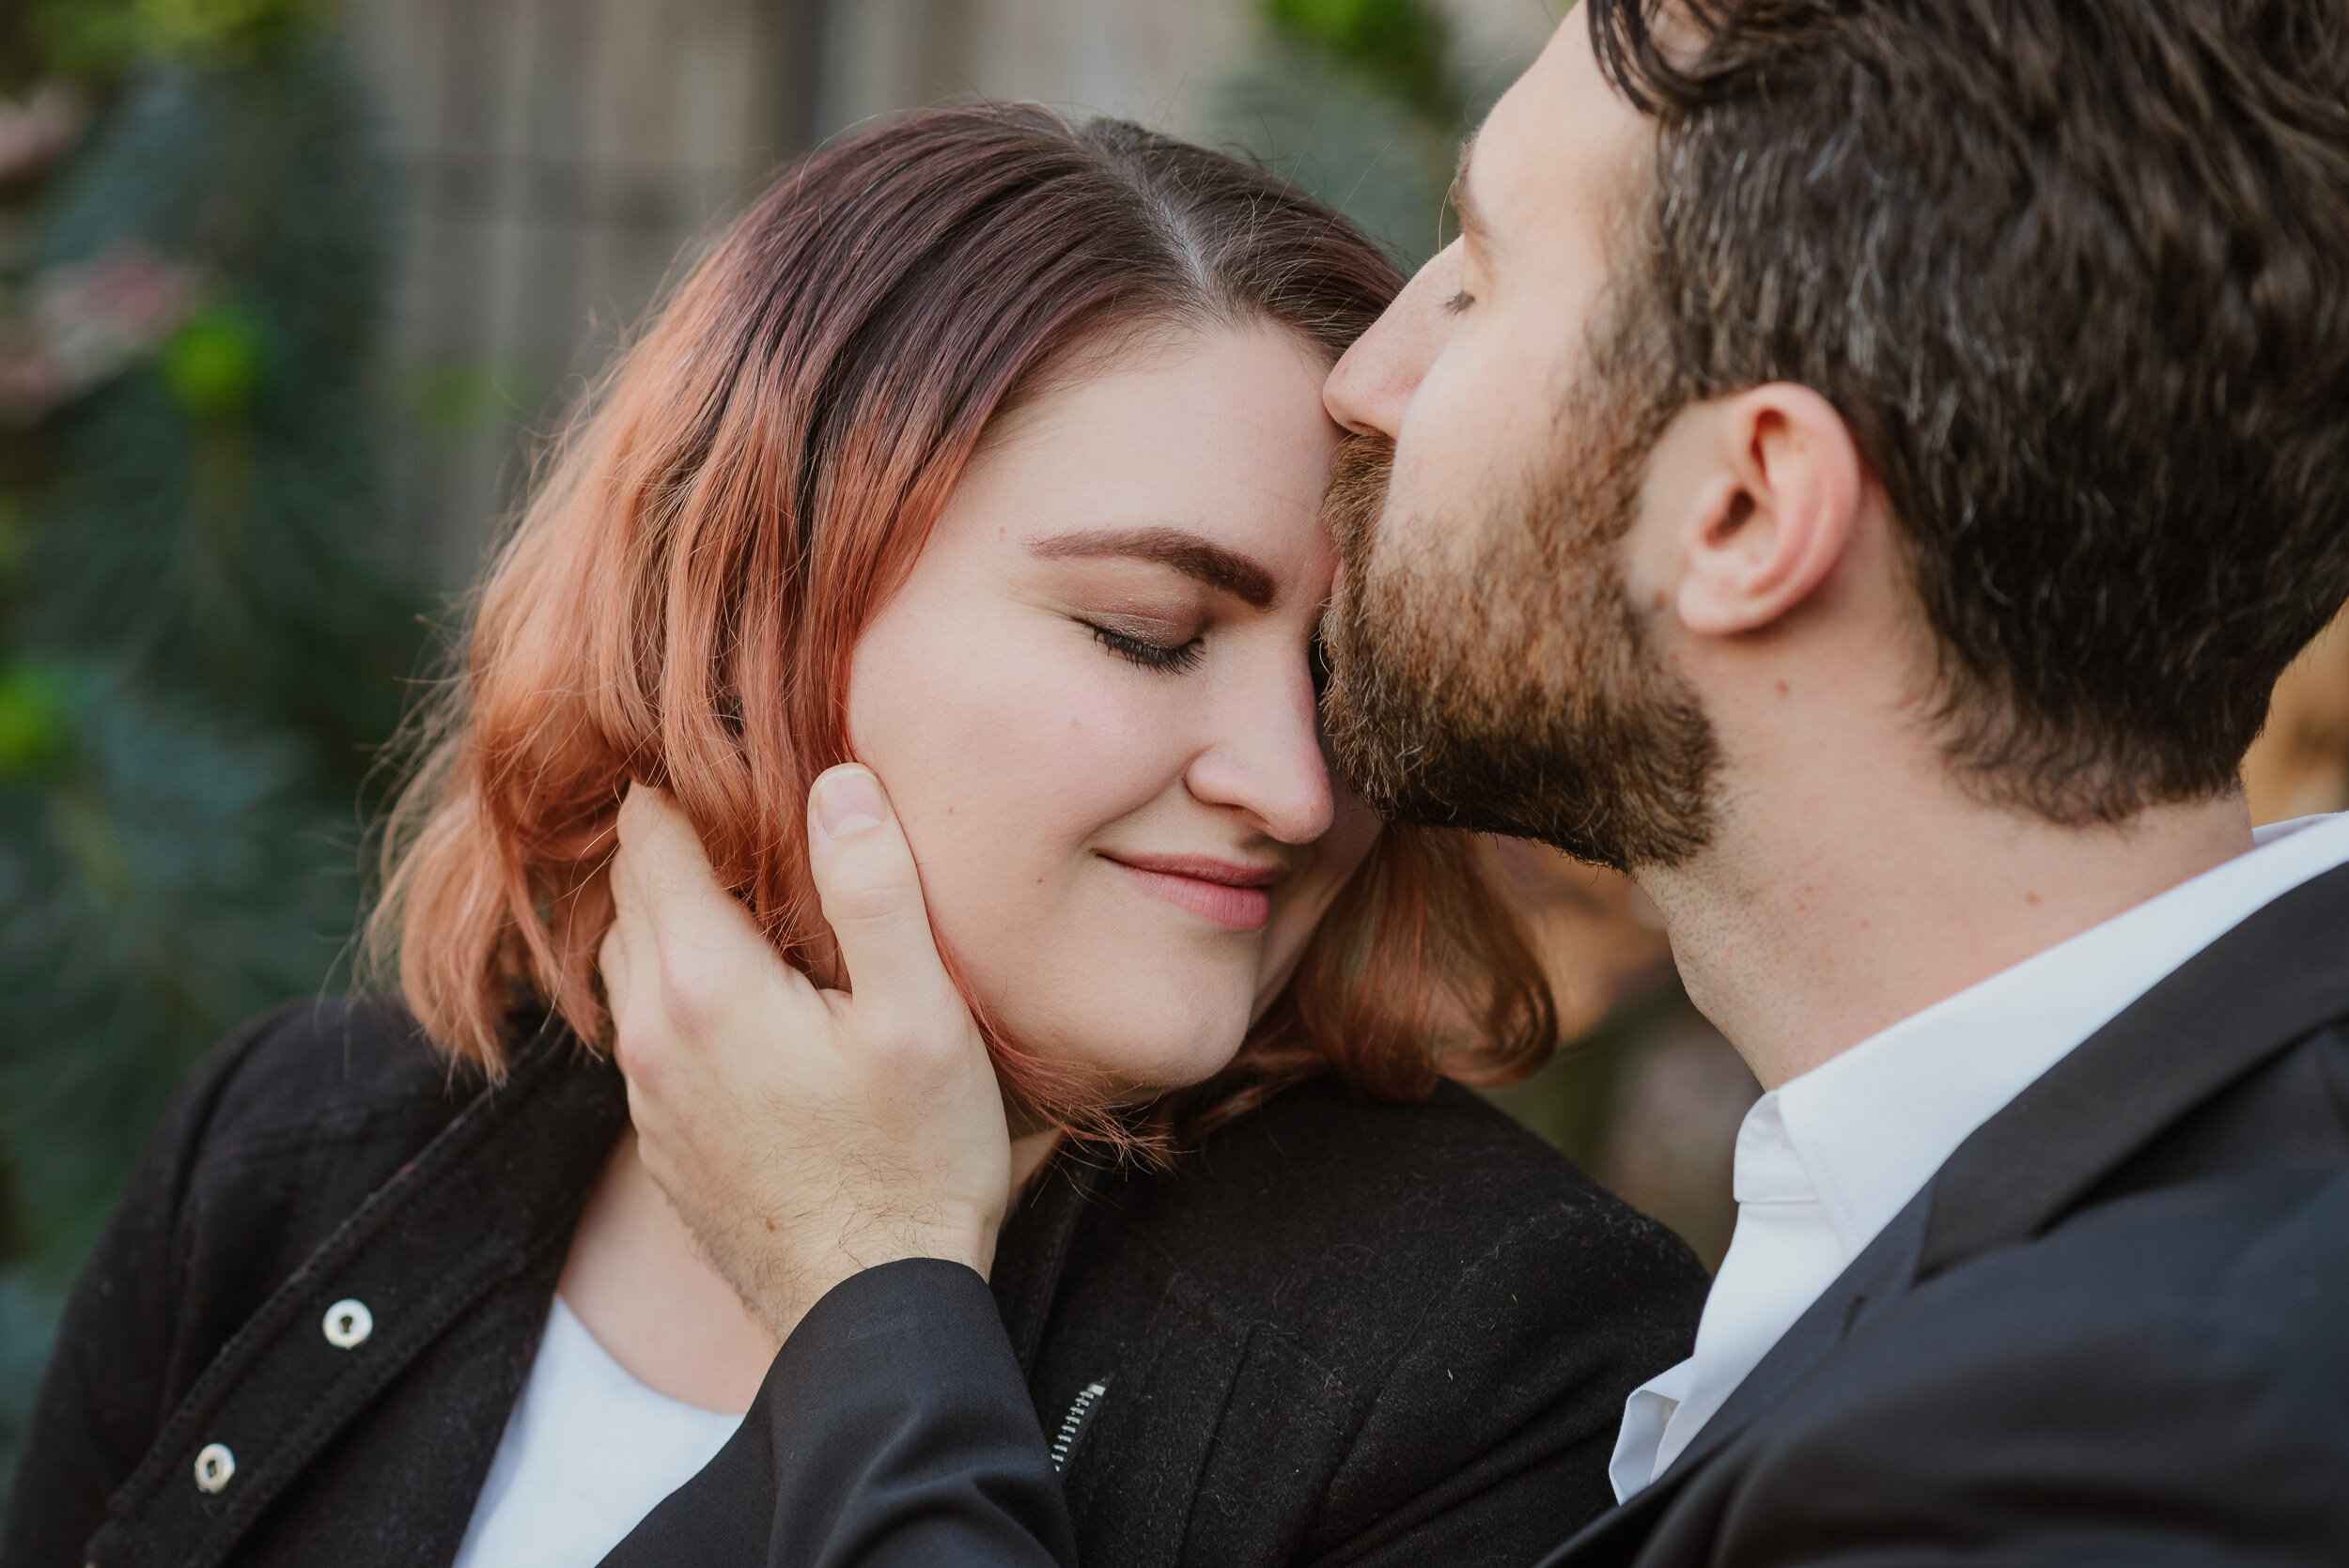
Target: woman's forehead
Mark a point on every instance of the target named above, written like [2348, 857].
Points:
[1220, 434]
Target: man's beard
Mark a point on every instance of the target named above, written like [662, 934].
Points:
[1522, 697]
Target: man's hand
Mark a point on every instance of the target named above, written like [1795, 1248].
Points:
[805, 1135]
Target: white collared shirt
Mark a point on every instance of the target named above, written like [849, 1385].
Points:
[1826, 1160]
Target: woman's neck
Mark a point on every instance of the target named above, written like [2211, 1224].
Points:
[644, 1287]
[1030, 1148]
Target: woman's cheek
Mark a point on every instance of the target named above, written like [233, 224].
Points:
[1002, 768]
[1337, 855]
[1074, 738]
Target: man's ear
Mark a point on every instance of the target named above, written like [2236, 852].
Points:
[1775, 512]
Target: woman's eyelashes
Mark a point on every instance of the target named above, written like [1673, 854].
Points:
[1165, 658]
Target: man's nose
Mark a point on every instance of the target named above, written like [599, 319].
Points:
[1372, 387]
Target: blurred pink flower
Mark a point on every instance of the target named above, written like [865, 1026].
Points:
[86, 323]
[38, 130]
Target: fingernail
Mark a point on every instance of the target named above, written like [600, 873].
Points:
[848, 800]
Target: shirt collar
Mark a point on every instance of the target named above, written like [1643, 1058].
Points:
[1871, 1125]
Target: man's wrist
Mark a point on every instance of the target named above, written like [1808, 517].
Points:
[782, 1296]
[964, 1236]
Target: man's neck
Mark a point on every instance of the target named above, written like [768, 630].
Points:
[1820, 917]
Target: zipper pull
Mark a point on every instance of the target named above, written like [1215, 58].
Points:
[1072, 1425]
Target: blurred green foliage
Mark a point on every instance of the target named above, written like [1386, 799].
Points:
[199, 643]
[1362, 102]
[456, 396]
[1403, 46]
[222, 31]
[34, 729]
[100, 42]
[213, 365]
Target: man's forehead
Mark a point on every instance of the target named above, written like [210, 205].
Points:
[1561, 136]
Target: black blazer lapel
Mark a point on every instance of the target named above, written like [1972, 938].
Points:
[2256, 991]
[1881, 1273]
[2260, 988]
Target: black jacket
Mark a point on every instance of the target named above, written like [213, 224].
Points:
[1338, 1331]
[2114, 1328]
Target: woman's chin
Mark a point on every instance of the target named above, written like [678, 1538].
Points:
[1131, 1036]
[1134, 1071]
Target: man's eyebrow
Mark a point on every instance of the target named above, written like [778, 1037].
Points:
[1463, 199]
[1188, 554]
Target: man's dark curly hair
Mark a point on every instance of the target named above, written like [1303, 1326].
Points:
[2077, 273]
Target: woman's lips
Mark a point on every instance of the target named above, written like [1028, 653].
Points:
[1226, 892]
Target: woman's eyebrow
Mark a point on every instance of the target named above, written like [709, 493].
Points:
[1188, 554]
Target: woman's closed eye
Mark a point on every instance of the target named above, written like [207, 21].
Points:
[1170, 658]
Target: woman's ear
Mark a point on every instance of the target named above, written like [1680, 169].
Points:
[1782, 487]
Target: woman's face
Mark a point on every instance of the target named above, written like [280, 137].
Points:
[1094, 710]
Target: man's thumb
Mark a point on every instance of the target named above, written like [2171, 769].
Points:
[871, 896]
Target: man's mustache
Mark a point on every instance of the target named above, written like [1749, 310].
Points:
[1357, 495]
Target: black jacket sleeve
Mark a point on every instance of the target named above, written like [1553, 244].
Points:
[893, 1430]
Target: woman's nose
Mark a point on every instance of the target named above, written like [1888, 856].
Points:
[1266, 759]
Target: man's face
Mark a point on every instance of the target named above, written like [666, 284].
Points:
[1490, 670]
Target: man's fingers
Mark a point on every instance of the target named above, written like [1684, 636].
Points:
[629, 959]
[661, 877]
[872, 895]
[612, 962]
[680, 934]
[663, 854]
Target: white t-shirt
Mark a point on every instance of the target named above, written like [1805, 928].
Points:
[587, 1453]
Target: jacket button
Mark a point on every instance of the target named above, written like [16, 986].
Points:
[214, 1465]
[349, 1324]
